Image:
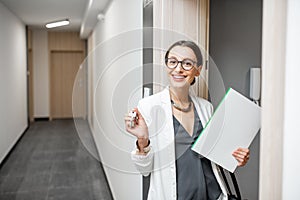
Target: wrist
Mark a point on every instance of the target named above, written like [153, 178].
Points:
[142, 142]
[143, 145]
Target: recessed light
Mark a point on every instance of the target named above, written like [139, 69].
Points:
[58, 23]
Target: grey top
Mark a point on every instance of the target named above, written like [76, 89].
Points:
[195, 178]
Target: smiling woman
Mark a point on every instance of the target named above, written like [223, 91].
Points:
[176, 171]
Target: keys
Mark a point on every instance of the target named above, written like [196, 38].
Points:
[134, 118]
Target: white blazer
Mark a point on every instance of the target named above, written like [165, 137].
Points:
[160, 160]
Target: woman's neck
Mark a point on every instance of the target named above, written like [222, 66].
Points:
[180, 95]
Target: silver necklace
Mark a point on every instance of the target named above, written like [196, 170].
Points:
[180, 108]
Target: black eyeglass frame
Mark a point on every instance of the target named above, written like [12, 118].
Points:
[181, 63]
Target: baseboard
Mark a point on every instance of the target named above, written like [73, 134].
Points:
[13, 147]
[41, 119]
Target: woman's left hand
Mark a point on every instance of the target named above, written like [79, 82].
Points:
[242, 155]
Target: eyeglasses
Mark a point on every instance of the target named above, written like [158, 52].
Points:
[186, 64]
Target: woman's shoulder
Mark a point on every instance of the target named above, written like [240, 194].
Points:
[153, 99]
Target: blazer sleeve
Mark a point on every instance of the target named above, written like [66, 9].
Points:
[143, 163]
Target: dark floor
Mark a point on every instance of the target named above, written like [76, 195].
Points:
[50, 163]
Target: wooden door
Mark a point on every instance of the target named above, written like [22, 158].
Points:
[63, 70]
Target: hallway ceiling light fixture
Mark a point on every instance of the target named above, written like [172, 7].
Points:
[58, 23]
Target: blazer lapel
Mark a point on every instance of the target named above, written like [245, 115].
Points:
[168, 132]
[198, 109]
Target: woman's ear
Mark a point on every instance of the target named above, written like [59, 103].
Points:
[198, 70]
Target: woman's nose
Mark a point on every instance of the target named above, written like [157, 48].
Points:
[178, 68]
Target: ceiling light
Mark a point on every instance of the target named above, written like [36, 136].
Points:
[58, 23]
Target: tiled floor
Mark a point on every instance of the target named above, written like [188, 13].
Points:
[51, 163]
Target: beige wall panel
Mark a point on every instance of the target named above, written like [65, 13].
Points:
[185, 18]
[203, 40]
[65, 41]
[272, 100]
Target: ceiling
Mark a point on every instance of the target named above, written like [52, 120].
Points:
[36, 13]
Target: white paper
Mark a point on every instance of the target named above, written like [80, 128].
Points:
[234, 124]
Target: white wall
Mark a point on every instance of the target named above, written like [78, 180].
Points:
[40, 73]
[291, 162]
[118, 77]
[279, 162]
[13, 90]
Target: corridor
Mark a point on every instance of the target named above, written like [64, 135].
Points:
[50, 162]
[94, 60]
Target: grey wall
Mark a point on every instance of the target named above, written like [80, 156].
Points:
[235, 47]
[13, 85]
[147, 66]
[147, 44]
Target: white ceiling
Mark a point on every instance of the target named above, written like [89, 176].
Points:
[36, 13]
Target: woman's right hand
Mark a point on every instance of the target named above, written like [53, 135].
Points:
[140, 129]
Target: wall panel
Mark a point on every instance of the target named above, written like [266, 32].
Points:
[13, 80]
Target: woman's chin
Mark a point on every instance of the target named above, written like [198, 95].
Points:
[179, 84]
